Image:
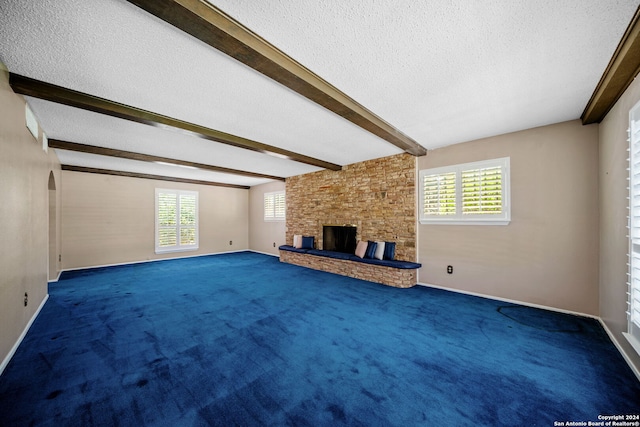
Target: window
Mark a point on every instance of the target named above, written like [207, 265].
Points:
[470, 193]
[633, 313]
[274, 206]
[176, 220]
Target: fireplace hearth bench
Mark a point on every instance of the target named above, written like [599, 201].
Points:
[400, 274]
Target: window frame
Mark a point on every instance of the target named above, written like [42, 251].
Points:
[459, 217]
[274, 195]
[178, 247]
[633, 226]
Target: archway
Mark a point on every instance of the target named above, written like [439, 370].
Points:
[53, 235]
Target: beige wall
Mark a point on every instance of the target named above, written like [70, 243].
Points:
[548, 254]
[613, 217]
[264, 234]
[110, 219]
[24, 223]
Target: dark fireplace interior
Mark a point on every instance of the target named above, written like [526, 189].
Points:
[339, 238]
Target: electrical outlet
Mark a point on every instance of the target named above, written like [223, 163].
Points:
[26, 299]
[274, 244]
[450, 269]
[59, 257]
[230, 242]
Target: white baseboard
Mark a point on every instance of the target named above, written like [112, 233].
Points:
[544, 307]
[528, 304]
[150, 260]
[13, 350]
[57, 278]
[620, 349]
[264, 253]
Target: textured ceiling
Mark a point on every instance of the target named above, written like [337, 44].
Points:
[442, 72]
[85, 127]
[449, 71]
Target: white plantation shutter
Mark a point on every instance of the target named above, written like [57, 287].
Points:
[269, 204]
[439, 192]
[470, 193]
[634, 292]
[274, 206]
[633, 301]
[166, 219]
[188, 213]
[176, 220]
[279, 205]
[482, 191]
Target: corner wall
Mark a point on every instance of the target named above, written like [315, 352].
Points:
[24, 213]
[111, 219]
[264, 236]
[614, 243]
[377, 195]
[548, 254]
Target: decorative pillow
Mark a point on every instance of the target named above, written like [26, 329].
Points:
[361, 249]
[297, 241]
[379, 254]
[307, 242]
[389, 250]
[371, 249]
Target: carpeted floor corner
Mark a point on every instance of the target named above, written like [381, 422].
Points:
[242, 339]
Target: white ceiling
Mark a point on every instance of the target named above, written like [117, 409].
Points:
[442, 72]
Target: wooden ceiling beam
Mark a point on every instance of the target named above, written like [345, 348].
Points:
[149, 176]
[217, 29]
[622, 69]
[50, 92]
[102, 151]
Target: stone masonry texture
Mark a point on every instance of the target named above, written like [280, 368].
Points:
[398, 278]
[378, 196]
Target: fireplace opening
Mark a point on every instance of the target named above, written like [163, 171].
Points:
[339, 238]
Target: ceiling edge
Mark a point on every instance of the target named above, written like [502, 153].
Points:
[623, 67]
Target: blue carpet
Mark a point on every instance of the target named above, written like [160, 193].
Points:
[241, 339]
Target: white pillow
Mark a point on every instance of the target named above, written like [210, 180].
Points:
[361, 248]
[297, 241]
[379, 254]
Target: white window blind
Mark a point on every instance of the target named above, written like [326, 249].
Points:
[469, 193]
[633, 313]
[482, 191]
[439, 192]
[274, 206]
[176, 220]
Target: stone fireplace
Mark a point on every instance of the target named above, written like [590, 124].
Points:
[377, 196]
